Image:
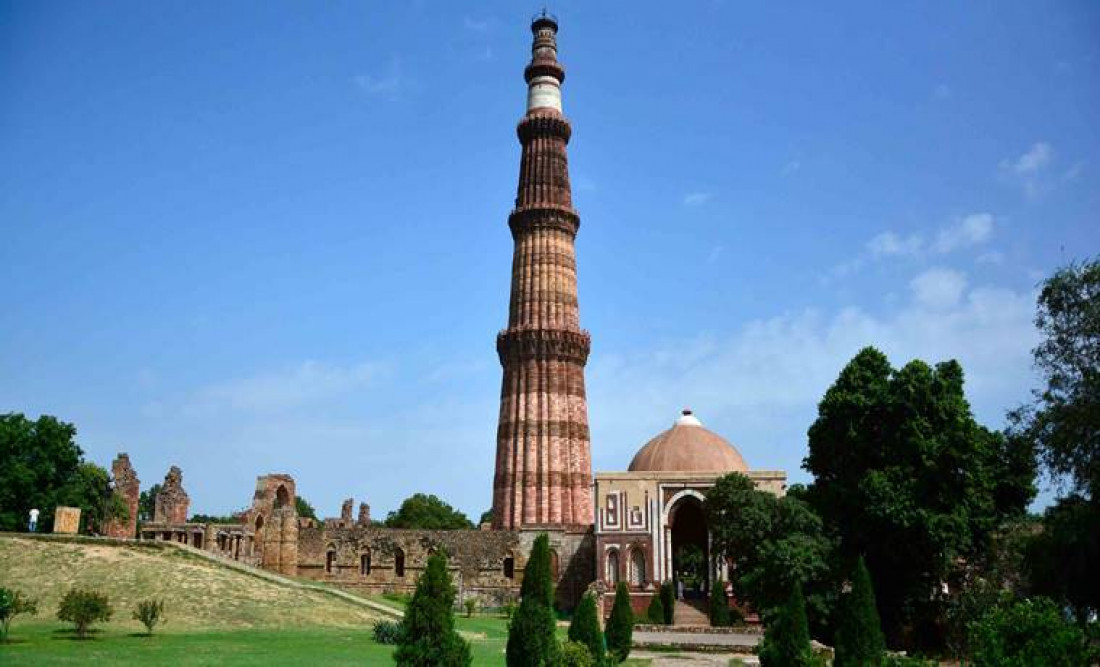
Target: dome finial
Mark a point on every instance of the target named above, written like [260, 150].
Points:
[687, 418]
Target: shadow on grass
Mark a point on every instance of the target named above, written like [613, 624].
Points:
[13, 640]
[70, 634]
[140, 635]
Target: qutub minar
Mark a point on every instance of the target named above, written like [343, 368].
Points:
[613, 527]
[544, 464]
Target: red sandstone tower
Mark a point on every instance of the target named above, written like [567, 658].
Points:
[544, 465]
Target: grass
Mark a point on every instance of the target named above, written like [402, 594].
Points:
[216, 615]
[42, 641]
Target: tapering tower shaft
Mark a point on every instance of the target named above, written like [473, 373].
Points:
[544, 464]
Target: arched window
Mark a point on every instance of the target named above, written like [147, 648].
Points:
[399, 563]
[637, 567]
[613, 567]
[510, 566]
[282, 497]
[330, 559]
[364, 563]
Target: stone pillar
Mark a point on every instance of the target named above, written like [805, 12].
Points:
[172, 503]
[66, 520]
[364, 515]
[128, 488]
[345, 513]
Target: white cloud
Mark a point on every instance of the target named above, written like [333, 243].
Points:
[759, 385]
[287, 388]
[938, 288]
[1036, 158]
[968, 231]
[887, 244]
[1028, 170]
[696, 198]
[390, 85]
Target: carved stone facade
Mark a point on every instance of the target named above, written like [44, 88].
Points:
[128, 488]
[172, 503]
[543, 472]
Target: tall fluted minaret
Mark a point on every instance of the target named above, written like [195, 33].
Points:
[544, 466]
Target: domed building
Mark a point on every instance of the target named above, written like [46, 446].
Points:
[650, 524]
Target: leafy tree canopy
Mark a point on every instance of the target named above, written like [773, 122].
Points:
[147, 502]
[1063, 420]
[905, 476]
[38, 461]
[776, 544]
[1028, 632]
[304, 508]
[427, 512]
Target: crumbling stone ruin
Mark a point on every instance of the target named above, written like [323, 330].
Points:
[128, 488]
[367, 557]
[172, 503]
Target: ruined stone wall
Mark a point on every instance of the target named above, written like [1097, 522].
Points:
[369, 559]
[172, 504]
[273, 519]
[128, 488]
[486, 565]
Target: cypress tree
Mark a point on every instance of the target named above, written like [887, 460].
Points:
[620, 627]
[668, 601]
[585, 628]
[531, 632]
[656, 611]
[719, 605]
[428, 637]
[859, 639]
[787, 637]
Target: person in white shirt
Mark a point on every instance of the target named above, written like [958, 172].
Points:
[32, 525]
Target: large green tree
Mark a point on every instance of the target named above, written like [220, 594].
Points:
[38, 460]
[904, 476]
[428, 637]
[775, 544]
[147, 502]
[427, 512]
[1063, 420]
[90, 489]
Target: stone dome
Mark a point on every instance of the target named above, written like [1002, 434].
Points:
[688, 447]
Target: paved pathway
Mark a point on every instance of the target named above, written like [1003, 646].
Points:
[693, 659]
[697, 639]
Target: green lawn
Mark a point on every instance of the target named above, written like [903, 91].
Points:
[42, 641]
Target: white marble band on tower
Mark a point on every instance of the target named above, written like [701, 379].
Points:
[544, 92]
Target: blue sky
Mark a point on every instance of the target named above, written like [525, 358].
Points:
[271, 236]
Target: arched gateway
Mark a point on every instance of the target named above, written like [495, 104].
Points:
[656, 510]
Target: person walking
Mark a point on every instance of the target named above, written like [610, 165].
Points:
[32, 525]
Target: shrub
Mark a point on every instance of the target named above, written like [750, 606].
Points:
[387, 632]
[1028, 632]
[150, 613]
[12, 604]
[858, 631]
[576, 654]
[585, 628]
[471, 606]
[620, 627]
[668, 601]
[656, 611]
[531, 633]
[83, 607]
[719, 605]
[428, 634]
[509, 610]
[787, 637]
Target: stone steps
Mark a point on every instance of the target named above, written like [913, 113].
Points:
[690, 612]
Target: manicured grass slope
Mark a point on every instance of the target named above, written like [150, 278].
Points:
[197, 593]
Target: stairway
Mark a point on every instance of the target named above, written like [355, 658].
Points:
[690, 612]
